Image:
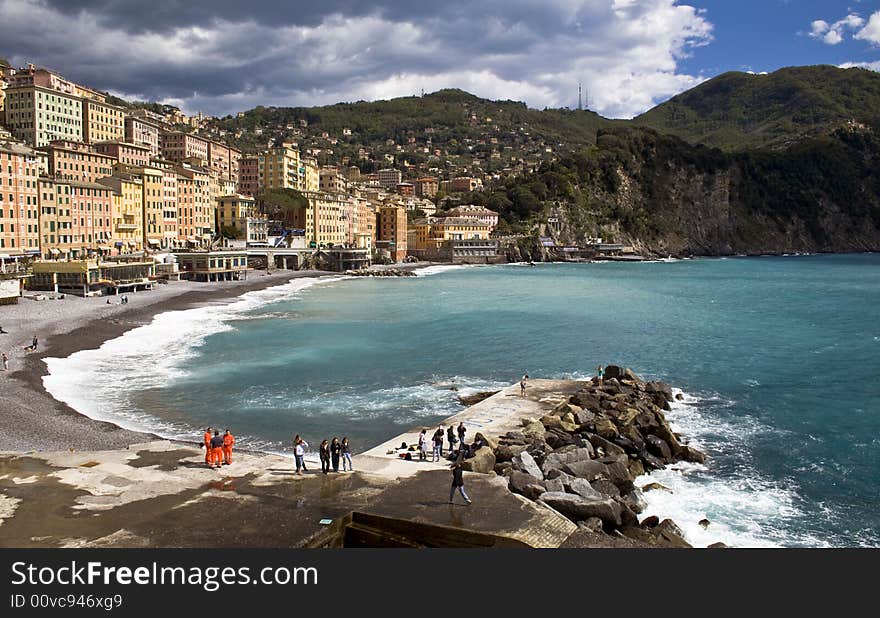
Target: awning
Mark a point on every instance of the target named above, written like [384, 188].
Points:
[153, 241]
[119, 243]
[54, 251]
[105, 247]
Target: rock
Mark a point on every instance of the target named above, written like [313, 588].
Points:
[658, 447]
[585, 400]
[627, 416]
[568, 417]
[526, 463]
[636, 469]
[586, 469]
[592, 524]
[582, 488]
[650, 522]
[557, 438]
[606, 429]
[613, 372]
[569, 427]
[617, 472]
[556, 460]
[513, 437]
[680, 397]
[655, 487]
[524, 484]
[550, 422]
[506, 453]
[492, 443]
[606, 488]
[665, 433]
[688, 453]
[659, 388]
[609, 448]
[577, 508]
[553, 484]
[670, 535]
[718, 545]
[483, 461]
[584, 417]
[504, 468]
[652, 462]
[566, 407]
[470, 400]
[635, 500]
[628, 517]
[533, 430]
[704, 522]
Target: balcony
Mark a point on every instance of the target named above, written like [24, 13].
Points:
[126, 227]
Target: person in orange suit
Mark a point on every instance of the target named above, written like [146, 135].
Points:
[228, 442]
[217, 450]
[207, 444]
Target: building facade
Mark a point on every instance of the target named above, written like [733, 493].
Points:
[143, 132]
[127, 153]
[127, 211]
[392, 229]
[77, 161]
[102, 121]
[20, 169]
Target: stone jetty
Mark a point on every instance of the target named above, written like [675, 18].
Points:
[376, 272]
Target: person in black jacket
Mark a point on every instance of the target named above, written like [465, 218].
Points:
[458, 482]
[450, 436]
[324, 453]
[335, 452]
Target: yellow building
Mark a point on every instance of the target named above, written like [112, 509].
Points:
[281, 168]
[311, 175]
[429, 236]
[392, 231]
[233, 211]
[152, 183]
[196, 205]
[102, 122]
[127, 211]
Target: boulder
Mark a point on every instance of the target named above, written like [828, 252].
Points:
[609, 448]
[718, 545]
[581, 487]
[551, 421]
[665, 433]
[566, 407]
[670, 535]
[483, 461]
[586, 469]
[591, 524]
[556, 460]
[628, 518]
[525, 484]
[526, 463]
[659, 388]
[680, 397]
[650, 522]
[585, 400]
[585, 417]
[489, 441]
[651, 462]
[557, 438]
[553, 484]
[606, 429]
[506, 452]
[635, 500]
[606, 488]
[504, 468]
[513, 438]
[655, 487]
[534, 429]
[636, 469]
[627, 416]
[658, 447]
[704, 523]
[617, 472]
[688, 453]
[577, 508]
[614, 372]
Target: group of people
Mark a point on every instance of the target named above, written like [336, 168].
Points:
[454, 435]
[330, 453]
[123, 300]
[218, 449]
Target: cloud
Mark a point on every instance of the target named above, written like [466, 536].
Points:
[221, 56]
[833, 34]
[871, 66]
[871, 32]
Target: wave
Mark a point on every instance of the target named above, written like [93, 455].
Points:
[99, 382]
[436, 270]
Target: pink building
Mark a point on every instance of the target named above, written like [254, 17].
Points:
[135, 155]
[178, 146]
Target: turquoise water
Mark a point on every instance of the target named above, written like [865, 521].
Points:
[779, 359]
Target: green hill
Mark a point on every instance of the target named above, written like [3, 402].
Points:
[738, 111]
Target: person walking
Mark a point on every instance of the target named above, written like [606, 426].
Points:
[450, 437]
[600, 372]
[438, 444]
[217, 450]
[346, 454]
[522, 385]
[299, 453]
[5, 361]
[458, 483]
[324, 454]
[335, 452]
[423, 446]
[206, 442]
[228, 443]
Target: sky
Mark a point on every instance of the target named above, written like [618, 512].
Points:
[224, 56]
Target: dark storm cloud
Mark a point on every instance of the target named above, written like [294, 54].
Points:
[223, 56]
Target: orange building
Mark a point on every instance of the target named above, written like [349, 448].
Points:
[20, 168]
[391, 225]
[77, 161]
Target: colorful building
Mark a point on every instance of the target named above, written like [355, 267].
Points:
[20, 168]
[71, 160]
[75, 218]
[42, 106]
[143, 132]
[127, 211]
[102, 121]
[392, 231]
[127, 153]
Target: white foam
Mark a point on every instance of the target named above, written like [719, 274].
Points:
[436, 270]
[97, 382]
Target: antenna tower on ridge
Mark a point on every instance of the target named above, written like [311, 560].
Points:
[580, 99]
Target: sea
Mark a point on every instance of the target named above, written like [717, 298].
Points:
[777, 360]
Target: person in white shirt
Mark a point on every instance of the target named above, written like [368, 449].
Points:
[299, 452]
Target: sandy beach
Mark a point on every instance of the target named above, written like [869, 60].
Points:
[31, 419]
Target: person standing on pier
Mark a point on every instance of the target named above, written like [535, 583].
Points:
[206, 442]
[5, 361]
[335, 452]
[600, 373]
[458, 483]
[423, 446]
[299, 453]
[346, 454]
[450, 436]
[228, 443]
[438, 444]
[522, 385]
[324, 454]
[462, 430]
[217, 450]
